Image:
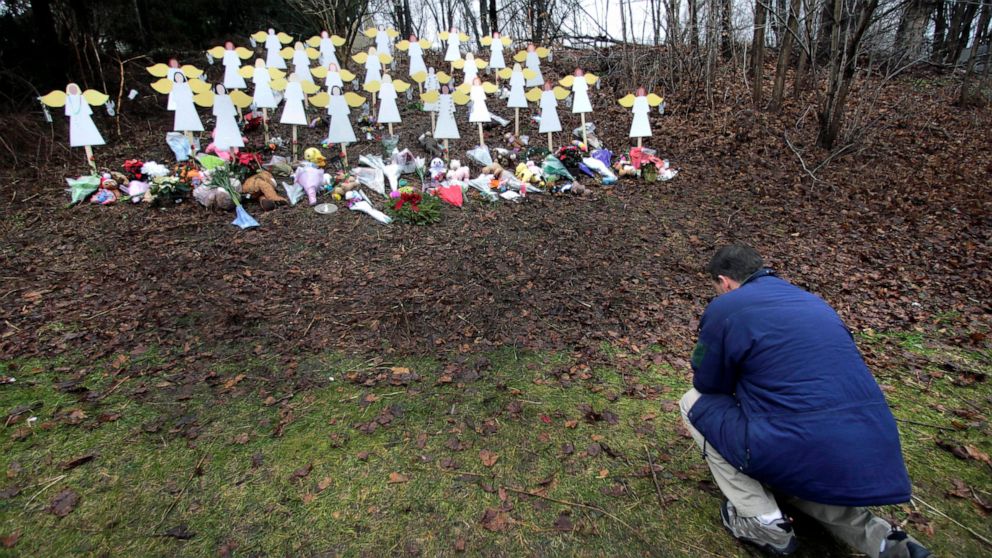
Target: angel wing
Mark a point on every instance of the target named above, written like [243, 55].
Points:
[567, 81]
[205, 99]
[443, 77]
[163, 86]
[240, 98]
[460, 98]
[528, 73]
[505, 73]
[353, 99]
[54, 99]
[199, 86]
[309, 87]
[486, 41]
[286, 39]
[313, 41]
[591, 78]
[489, 88]
[279, 84]
[400, 86]
[243, 53]
[458, 64]
[560, 92]
[463, 37]
[94, 97]
[403, 45]
[480, 63]
[534, 95]
[216, 52]
[506, 41]
[260, 36]
[392, 33]
[424, 43]
[443, 35]
[320, 99]
[385, 58]
[346, 75]
[464, 88]
[287, 53]
[543, 52]
[337, 41]
[371, 32]
[627, 101]
[372, 86]
[361, 57]
[312, 53]
[655, 100]
[520, 56]
[276, 73]
[419, 77]
[430, 97]
[247, 71]
[319, 72]
[158, 70]
[191, 71]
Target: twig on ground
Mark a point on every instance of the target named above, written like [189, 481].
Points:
[44, 488]
[952, 520]
[654, 477]
[181, 492]
[917, 423]
[800, 157]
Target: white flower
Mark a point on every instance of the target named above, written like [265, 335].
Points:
[153, 169]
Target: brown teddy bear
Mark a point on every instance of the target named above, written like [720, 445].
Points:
[263, 186]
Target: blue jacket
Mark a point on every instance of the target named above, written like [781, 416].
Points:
[788, 400]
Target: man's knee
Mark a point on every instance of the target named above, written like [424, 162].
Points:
[687, 401]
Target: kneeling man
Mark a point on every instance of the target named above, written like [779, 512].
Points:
[784, 406]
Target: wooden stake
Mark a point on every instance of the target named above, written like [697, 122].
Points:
[192, 146]
[265, 124]
[373, 105]
[638, 142]
[390, 125]
[482, 140]
[585, 139]
[294, 143]
[516, 127]
[551, 147]
[446, 149]
[89, 157]
[344, 153]
[433, 123]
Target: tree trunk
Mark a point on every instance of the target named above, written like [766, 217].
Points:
[493, 16]
[981, 34]
[470, 20]
[784, 52]
[912, 26]
[694, 25]
[674, 33]
[939, 28]
[962, 14]
[483, 20]
[758, 51]
[726, 28]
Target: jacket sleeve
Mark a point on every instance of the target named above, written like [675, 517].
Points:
[713, 372]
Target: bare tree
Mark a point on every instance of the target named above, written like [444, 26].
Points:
[784, 53]
[758, 50]
[981, 35]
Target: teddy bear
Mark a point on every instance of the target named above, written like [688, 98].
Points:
[430, 145]
[494, 169]
[345, 183]
[108, 191]
[528, 173]
[457, 172]
[263, 186]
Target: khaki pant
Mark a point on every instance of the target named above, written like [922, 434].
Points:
[855, 526]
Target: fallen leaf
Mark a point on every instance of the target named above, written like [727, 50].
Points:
[9, 541]
[180, 532]
[233, 381]
[603, 473]
[301, 472]
[564, 522]
[571, 424]
[362, 456]
[496, 520]
[256, 460]
[459, 544]
[241, 439]
[397, 478]
[75, 416]
[488, 458]
[63, 503]
[324, 483]
[76, 462]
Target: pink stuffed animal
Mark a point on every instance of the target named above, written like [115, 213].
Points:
[457, 171]
[311, 179]
[225, 155]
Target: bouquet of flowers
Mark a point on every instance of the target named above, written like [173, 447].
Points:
[245, 164]
[414, 208]
[572, 155]
[132, 168]
[164, 189]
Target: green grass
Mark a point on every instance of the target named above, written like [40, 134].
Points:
[244, 498]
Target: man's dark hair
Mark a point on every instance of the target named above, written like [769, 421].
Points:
[737, 261]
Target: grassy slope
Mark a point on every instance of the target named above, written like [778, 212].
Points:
[260, 510]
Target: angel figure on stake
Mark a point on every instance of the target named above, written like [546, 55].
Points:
[532, 60]
[454, 40]
[433, 83]
[471, 67]
[480, 112]
[640, 104]
[167, 73]
[327, 47]
[373, 61]
[415, 49]
[181, 91]
[82, 130]
[518, 98]
[447, 126]
[227, 135]
[549, 108]
[383, 38]
[273, 44]
[580, 83]
[496, 44]
[231, 58]
[261, 77]
[332, 75]
[301, 56]
[388, 111]
[339, 107]
[294, 111]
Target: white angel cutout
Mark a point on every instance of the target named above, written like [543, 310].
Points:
[532, 60]
[470, 66]
[383, 38]
[294, 110]
[454, 40]
[373, 61]
[181, 90]
[327, 47]
[231, 58]
[433, 81]
[518, 98]
[389, 112]
[640, 104]
[273, 44]
[168, 72]
[447, 126]
[480, 112]
[262, 77]
[226, 107]
[415, 49]
[301, 55]
[332, 75]
[496, 44]
[82, 130]
[580, 83]
[339, 107]
[548, 99]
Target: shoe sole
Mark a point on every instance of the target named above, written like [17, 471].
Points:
[764, 547]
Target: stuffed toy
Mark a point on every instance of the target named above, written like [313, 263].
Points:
[430, 145]
[217, 199]
[345, 183]
[513, 141]
[457, 172]
[529, 173]
[108, 191]
[263, 186]
[313, 155]
[494, 169]
[311, 179]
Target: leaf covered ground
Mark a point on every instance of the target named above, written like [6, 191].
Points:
[502, 383]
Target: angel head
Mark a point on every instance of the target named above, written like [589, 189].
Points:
[332, 67]
[72, 89]
[445, 89]
[298, 45]
[579, 72]
[272, 31]
[430, 71]
[381, 27]
[179, 77]
[373, 51]
[259, 64]
[453, 29]
[496, 34]
[173, 63]
[324, 34]
[469, 58]
[220, 89]
[477, 81]
[413, 38]
[548, 86]
[336, 90]
[517, 68]
[228, 45]
[641, 92]
[531, 47]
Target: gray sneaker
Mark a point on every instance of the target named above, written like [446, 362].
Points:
[777, 538]
[900, 545]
